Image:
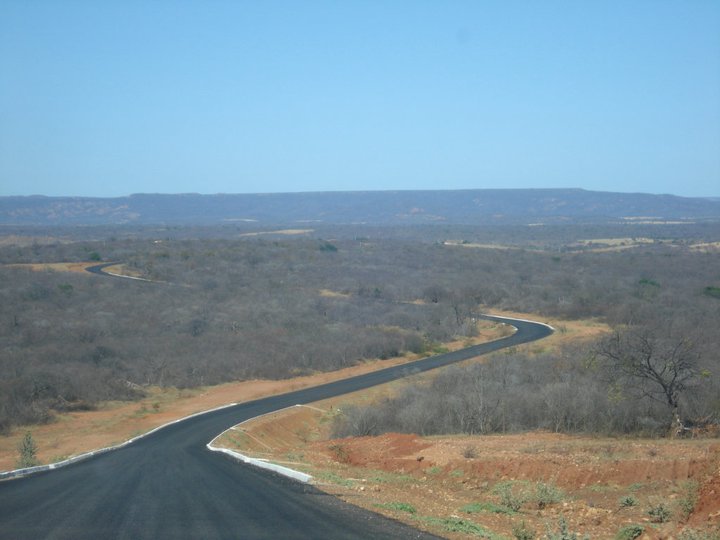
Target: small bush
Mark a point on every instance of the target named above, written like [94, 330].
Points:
[627, 502]
[328, 247]
[658, 513]
[563, 533]
[27, 450]
[547, 494]
[629, 532]
[470, 452]
[687, 502]
[712, 291]
[521, 532]
[508, 497]
[340, 452]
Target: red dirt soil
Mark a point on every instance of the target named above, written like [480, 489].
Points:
[434, 477]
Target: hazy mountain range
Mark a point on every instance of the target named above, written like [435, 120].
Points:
[468, 207]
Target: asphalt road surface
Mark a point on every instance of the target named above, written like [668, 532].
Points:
[168, 485]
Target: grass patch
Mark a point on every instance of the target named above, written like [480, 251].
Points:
[382, 477]
[332, 478]
[398, 507]
[462, 526]
[489, 507]
[514, 493]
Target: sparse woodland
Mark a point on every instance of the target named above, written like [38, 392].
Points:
[234, 307]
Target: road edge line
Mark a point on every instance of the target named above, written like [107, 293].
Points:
[27, 471]
[521, 320]
[260, 463]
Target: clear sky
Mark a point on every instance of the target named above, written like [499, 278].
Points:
[108, 98]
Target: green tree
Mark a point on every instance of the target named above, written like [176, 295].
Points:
[28, 452]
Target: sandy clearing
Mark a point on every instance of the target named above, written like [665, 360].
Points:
[75, 267]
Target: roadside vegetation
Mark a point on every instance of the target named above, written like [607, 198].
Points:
[237, 307]
[527, 485]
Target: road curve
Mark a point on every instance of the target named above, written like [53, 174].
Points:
[168, 485]
[100, 270]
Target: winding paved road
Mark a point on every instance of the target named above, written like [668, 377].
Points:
[168, 485]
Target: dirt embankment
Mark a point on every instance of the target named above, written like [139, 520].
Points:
[466, 486]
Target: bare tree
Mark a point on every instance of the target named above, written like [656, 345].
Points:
[660, 368]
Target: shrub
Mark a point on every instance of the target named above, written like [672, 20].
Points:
[521, 532]
[327, 246]
[688, 501]
[712, 291]
[627, 501]
[563, 533]
[340, 453]
[508, 497]
[629, 532]
[27, 450]
[658, 513]
[695, 534]
[547, 494]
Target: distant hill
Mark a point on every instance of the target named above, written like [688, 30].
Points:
[467, 207]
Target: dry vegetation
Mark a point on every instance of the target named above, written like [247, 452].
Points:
[113, 422]
[492, 486]
[89, 361]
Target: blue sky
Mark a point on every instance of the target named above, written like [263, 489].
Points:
[108, 98]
